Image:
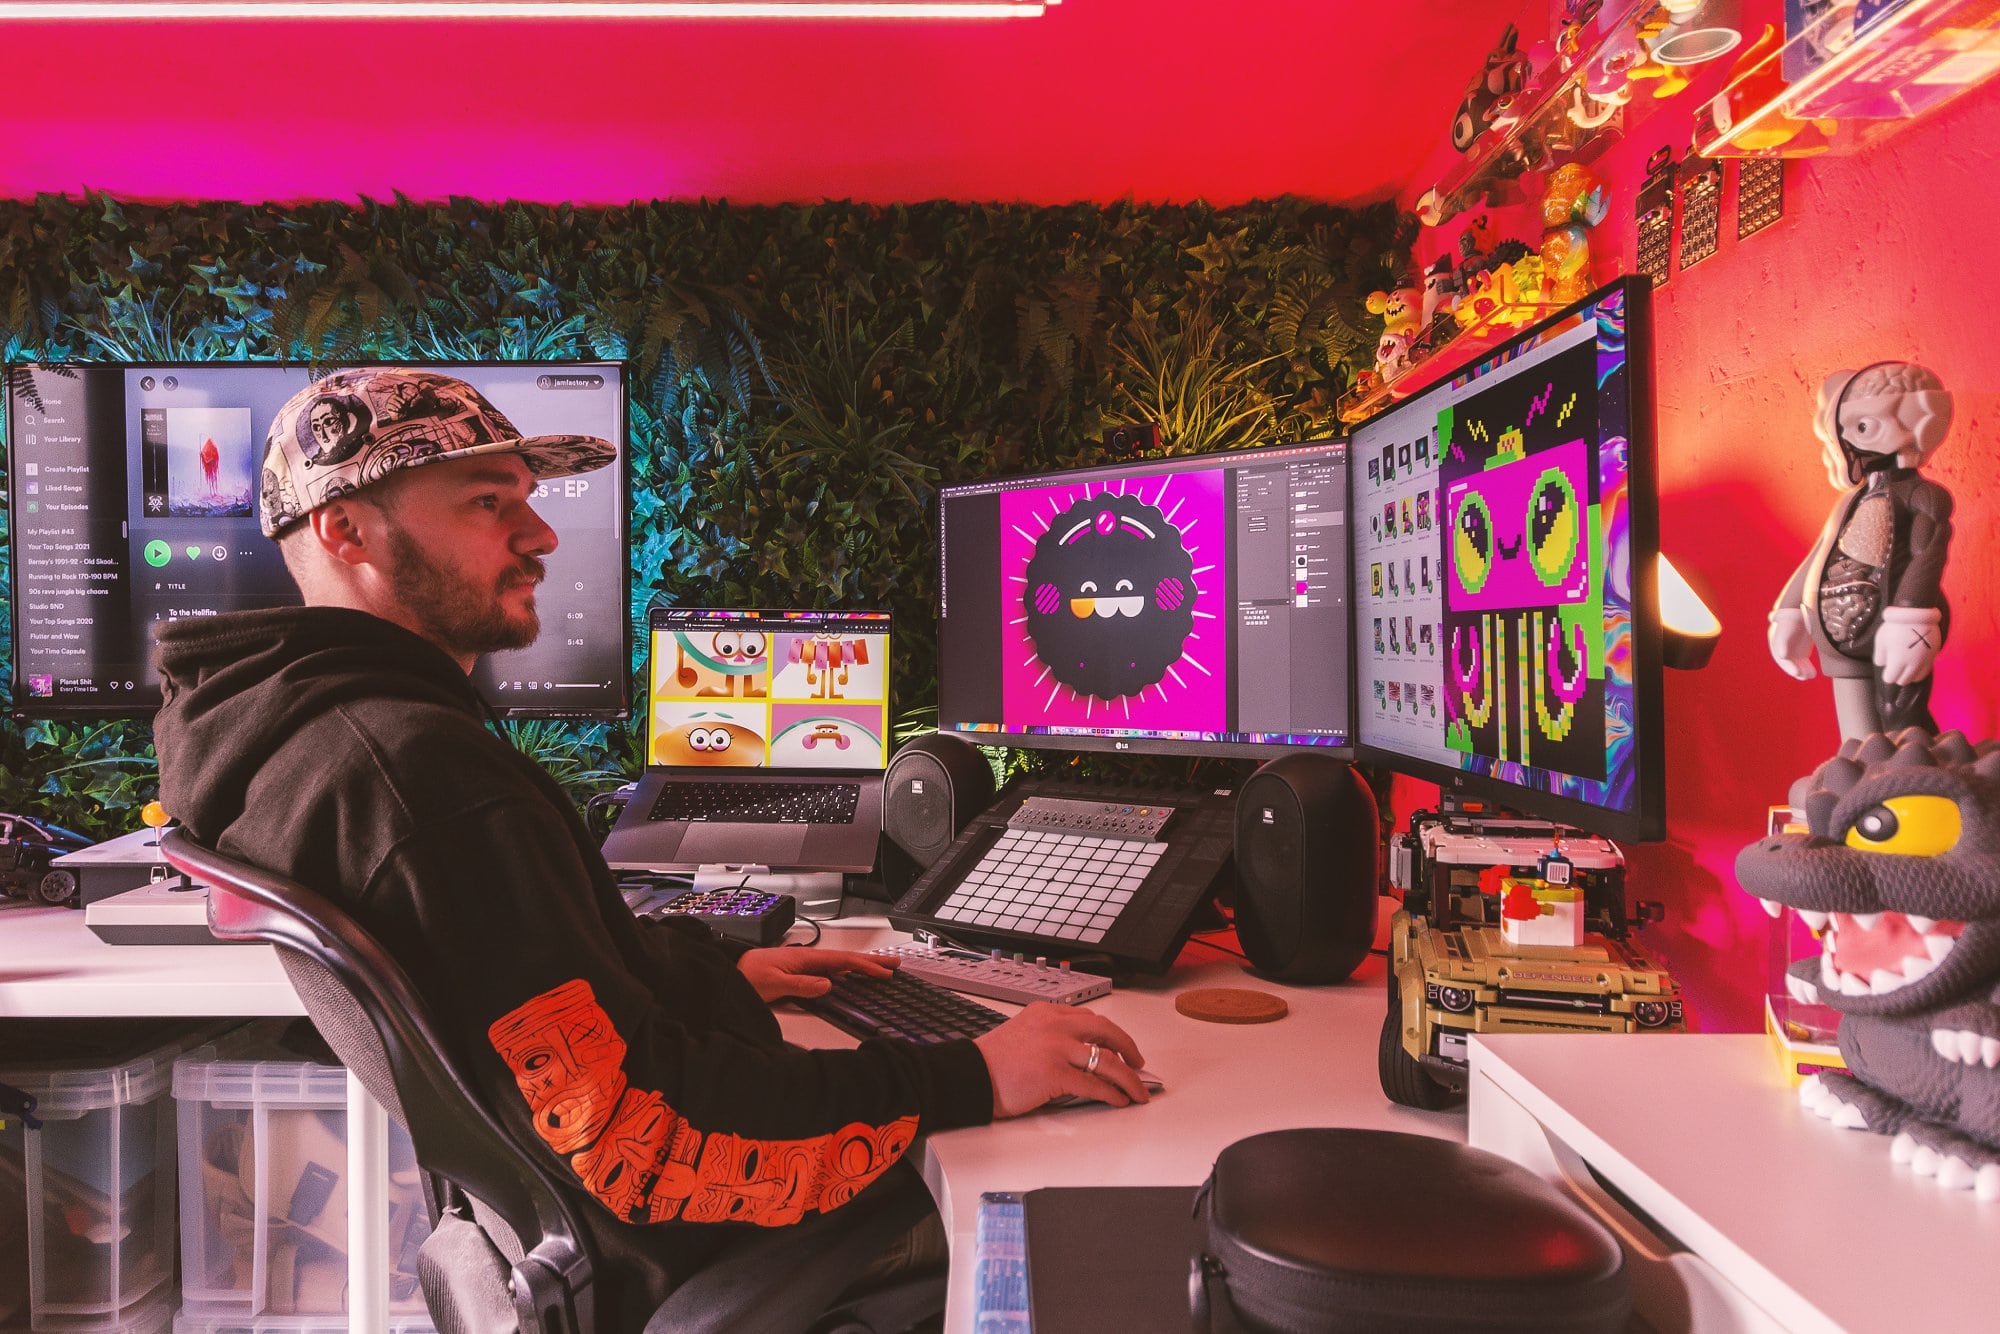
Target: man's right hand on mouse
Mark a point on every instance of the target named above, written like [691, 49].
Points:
[1049, 1051]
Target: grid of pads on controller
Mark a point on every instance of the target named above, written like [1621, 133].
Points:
[1054, 885]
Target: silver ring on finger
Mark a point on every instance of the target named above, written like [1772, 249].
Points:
[1090, 1066]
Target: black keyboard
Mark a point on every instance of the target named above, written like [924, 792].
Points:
[897, 1006]
[758, 803]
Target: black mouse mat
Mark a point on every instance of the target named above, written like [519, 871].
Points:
[1109, 1257]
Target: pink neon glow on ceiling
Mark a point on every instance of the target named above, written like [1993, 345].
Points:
[1099, 99]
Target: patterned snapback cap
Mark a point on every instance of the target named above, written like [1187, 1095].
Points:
[354, 428]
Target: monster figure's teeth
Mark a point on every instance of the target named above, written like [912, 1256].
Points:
[1773, 907]
[1866, 920]
[1915, 967]
[1939, 946]
[1853, 984]
[1962, 1044]
[1829, 976]
[1881, 982]
[1815, 920]
[1801, 990]
[1921, 924]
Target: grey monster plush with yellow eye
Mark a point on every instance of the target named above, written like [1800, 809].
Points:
[1900, 869]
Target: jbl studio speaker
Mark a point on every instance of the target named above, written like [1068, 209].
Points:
[1306, 839]
[933, 788]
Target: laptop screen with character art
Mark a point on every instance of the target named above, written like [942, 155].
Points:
[768, 689]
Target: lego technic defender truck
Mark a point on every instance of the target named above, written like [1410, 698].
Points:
[1508, 926]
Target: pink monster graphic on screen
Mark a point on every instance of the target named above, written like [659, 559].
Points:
[1110, 596]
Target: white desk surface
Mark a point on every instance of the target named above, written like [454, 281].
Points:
[1314, 1067]
[52, 967]
[1811, 1222]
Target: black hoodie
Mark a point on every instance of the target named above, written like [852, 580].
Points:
[348, 753]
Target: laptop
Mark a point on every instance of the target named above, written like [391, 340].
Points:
[767, 737]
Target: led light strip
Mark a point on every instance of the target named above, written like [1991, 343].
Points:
[624, 9]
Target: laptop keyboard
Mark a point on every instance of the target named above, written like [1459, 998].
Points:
[758, 803]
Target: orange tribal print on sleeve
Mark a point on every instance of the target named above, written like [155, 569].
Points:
[640, 1158]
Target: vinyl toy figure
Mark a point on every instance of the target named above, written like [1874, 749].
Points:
[1868, 598]
[1900, 870]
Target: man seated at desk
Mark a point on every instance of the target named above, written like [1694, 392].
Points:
[341, 744]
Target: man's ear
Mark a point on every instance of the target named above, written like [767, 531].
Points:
[340, 530]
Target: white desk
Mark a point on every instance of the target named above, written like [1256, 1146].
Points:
[1314, 1067]
[51, 967]
[1778, 1220]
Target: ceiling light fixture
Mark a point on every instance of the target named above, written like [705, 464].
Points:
[539, 9]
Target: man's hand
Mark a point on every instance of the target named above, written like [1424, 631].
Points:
[799, 970]
[1042, 1053]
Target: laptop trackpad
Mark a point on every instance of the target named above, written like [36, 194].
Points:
[767, 845]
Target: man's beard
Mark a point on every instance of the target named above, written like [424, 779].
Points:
[454, 612]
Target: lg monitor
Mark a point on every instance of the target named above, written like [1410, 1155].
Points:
[1506, 608]
[1195, 605]
[133, 500]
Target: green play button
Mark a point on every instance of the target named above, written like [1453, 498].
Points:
[158, 553]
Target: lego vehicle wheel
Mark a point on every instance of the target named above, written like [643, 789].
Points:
[57, 888]
[1403, 1080]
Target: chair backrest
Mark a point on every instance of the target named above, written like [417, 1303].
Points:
[365, 1007]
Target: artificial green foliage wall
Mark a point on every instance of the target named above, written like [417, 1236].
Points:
[803, 375]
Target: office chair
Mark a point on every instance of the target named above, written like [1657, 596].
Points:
[528, 1265]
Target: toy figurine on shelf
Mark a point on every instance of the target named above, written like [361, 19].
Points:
[1869, 597]
[1899, 868]
[1574, 27]
[1400, 323]
[1490, 95]
[1574, 203]
[1748, 115]
[1440, 287]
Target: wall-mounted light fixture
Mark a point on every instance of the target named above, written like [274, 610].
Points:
[1688, 628]
[517, 9]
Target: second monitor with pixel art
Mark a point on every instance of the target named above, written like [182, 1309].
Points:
[1505, 543]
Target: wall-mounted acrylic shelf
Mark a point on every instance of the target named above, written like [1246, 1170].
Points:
[1437, 353]
[1850, 78]
[1640, 53]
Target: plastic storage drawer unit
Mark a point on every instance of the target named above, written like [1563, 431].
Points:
[194, 1322]
[263, 1158]
[87, 1202]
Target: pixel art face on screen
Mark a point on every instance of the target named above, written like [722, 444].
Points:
[1523, 603]
[1117, 601]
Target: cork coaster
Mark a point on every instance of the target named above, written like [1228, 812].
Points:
[1231, 1005]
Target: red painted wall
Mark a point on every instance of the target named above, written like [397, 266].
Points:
[1099, 100]
[1882, 255]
